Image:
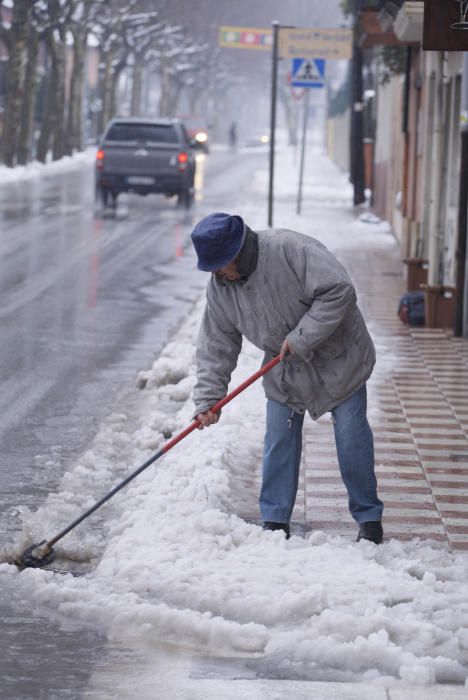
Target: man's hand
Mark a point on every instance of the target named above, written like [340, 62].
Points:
[286, 349]
[207, 419]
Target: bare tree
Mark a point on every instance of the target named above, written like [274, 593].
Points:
[53, 124]
[175, 60]
[109, 30]
[141, 41]
[38, 25]
[15, 39]
[135, 38]
[83, 16]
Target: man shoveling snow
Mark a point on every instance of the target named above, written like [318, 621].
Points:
[288, 295]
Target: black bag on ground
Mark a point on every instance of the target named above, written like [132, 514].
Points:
[411, 308]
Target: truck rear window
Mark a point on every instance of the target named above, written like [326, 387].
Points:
[152, 133]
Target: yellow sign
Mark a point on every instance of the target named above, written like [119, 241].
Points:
[245, 38]
[315, 43]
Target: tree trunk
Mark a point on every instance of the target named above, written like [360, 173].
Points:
[16, 75]
[26, 134]
[114, 102]
[58, 126]
[165, 100]
[147, 92]
[174, 99]
[136, 86]
[106, 89]
[357, 123]
[194, 101]
[53, 121]
[74, 136]
[46, 127]
[109, 87]
[165, 82]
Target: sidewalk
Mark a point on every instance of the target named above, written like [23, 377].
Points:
[418, 397]
[418, 408]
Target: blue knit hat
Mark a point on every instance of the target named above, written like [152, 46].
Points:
[217, 240]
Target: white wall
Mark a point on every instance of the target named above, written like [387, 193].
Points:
[338, 135]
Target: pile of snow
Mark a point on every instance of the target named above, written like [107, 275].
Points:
[179, 565]
[24, 173]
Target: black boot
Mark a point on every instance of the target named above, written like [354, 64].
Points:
[277, 526]
[371, 531]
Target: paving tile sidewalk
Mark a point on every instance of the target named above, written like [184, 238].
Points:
[418, 409]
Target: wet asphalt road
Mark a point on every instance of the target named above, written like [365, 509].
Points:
[86, 301]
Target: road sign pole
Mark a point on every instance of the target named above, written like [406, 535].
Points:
[304, 136]
[357, 117]
[274, 83]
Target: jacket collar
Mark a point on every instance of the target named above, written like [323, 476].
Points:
[247, 259]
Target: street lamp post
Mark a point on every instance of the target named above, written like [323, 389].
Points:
[274, 87]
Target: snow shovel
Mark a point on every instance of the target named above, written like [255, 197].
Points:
[42, 554]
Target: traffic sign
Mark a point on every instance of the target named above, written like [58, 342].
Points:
[309, 43]
[245, 38]
[308, 72]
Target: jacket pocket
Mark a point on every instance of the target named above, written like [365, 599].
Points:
[334, 347]
[345, 372]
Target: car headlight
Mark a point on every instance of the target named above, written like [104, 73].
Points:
[201, 137]
[264, 138]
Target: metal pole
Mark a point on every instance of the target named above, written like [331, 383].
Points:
[357, 121]
[435, 274]
[274, 81]
[464, 114]
[460, 254]
[304, 135]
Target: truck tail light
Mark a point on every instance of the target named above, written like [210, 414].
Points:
[100, 159]
[182, 160]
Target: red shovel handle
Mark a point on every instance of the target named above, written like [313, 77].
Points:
[28, 557]
[218, 406]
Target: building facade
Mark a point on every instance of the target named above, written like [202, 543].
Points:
[418, 106]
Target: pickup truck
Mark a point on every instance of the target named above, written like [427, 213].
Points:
[145, 156]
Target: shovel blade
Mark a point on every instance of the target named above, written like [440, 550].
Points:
[36, 556]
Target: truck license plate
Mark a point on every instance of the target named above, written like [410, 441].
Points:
[140, 180]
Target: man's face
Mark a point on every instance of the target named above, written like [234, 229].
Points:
[229, 272]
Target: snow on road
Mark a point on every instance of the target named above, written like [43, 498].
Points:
[177, 564]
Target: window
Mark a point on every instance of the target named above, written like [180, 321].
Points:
[146, 133]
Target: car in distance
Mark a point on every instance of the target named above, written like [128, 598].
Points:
[197, 131]
[258, 138]
[145, 156]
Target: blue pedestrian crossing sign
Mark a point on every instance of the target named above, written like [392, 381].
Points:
[308, 72]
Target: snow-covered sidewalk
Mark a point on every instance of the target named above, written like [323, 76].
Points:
[180, 561]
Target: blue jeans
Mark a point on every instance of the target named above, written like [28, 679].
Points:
[355, 450]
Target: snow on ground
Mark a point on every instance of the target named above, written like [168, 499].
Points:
[24, 173]
[176, 563]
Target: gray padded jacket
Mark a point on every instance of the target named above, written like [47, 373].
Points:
[298, 291]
